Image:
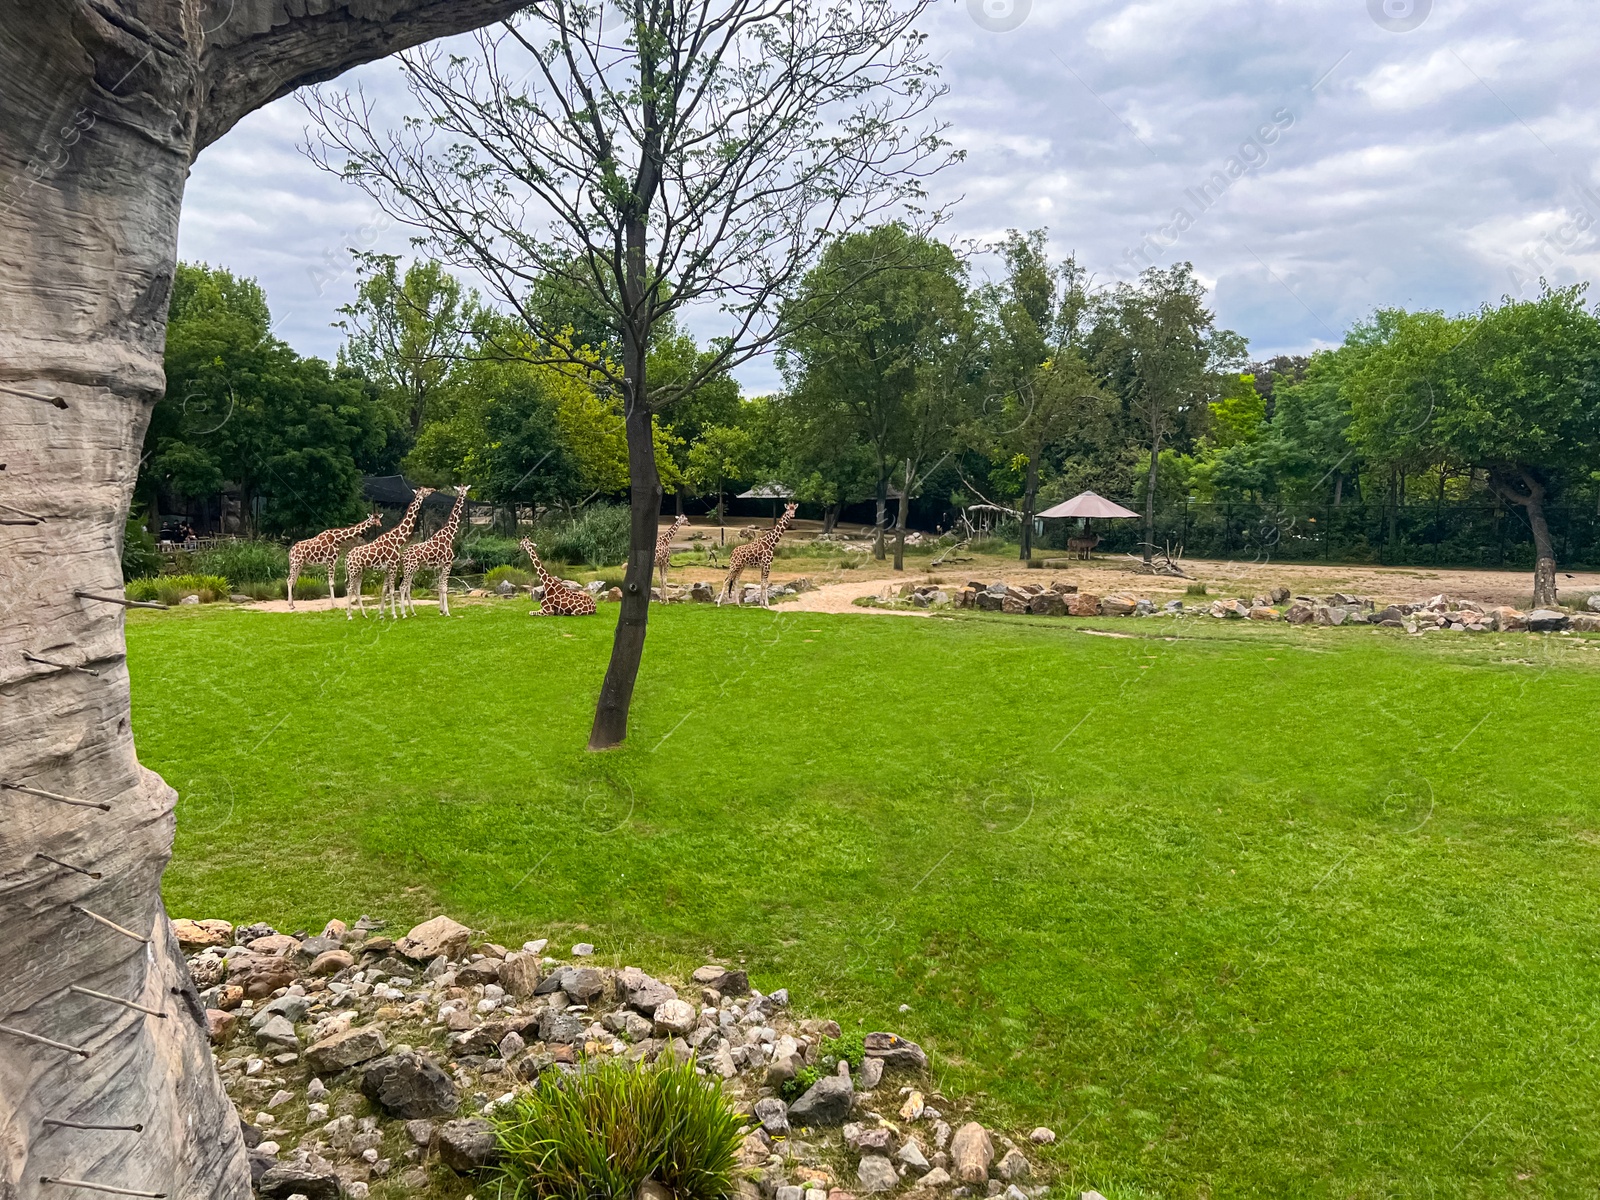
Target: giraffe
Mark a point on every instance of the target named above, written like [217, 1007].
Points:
[381, 553]
[559, 600]
[438, 552]
[323, 550]
[758, 552]
[664, 550]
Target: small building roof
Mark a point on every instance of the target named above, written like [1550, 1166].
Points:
[1088, 504]
[767, 491]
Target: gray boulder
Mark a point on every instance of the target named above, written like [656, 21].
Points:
[346, 1049]
[876, 1174]
[896, 1051]
[468, 1145]
[826, 1102]
[290, 1179]
[773, 1115]
[562, 1028]
[278, 1031]
[1546, 620]
[409, 1086]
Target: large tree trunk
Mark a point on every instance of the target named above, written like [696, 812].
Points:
[900, 524]
[1030, 493]
[1528, 491]
[882, 518]
[106, 103]
[1150, 496]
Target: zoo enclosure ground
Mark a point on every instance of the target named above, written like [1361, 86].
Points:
[1238, 911]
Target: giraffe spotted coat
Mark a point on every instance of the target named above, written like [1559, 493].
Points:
[559, 600]
[382, 553]
[756, 553]
[664, 550]
[323, 551]
[437, 552]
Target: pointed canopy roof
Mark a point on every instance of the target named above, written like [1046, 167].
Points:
[1088, 504]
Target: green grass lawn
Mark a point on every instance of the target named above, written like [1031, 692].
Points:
[1245, 912]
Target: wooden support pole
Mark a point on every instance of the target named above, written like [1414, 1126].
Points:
[56, 796]
[57, 401]
[83, 991]
[126, 603]
[60, 1124]
[67, 865]
[109, 924]
[28, 656]
[43, 1041]
[102, 1187]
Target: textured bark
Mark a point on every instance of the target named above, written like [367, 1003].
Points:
[105, 104]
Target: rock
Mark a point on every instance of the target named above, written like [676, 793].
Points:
[674, 1018]
[197, 935]
[1300, 614]
[519, 975]
[1584, 622]
[477, 974]
[1014, 604]
[278, 1031]
[346, 1049]
[1014, 1166]
[561, 1028]
[432, 938]
[895, 1051]
[331, 962]
[773, 1115]
[1506, 619]
[1262, 612]
[1042, 1136]
[642, 993]
[1118, 606]
[1084, 604]
[1546, 620]
[1229, 609]
[701, 593]
[936, 1178]
[988, 602]
[826, 1102]
[971, 1152]
[512, 1045]
[583, 984]
[220, 1025]
[1048, 604]
[1279, 595]
[911, 1154]
[871, 1073]
[282, 1180]
[409, 1086]
[278, 945]
[911, 1110]
[876, 1174]
[873, 1141]
[728, 982]
[259, 976]
[468, 1145]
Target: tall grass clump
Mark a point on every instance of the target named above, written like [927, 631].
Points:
[1197, 588]
[243, 562]
[484, 552]
[598, 536]
[601, 1133]
[169, 589]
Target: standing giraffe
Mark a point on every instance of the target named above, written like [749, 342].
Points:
[381, 553]
[664, 550]
[559, 600]
[323, 551]
[758, 551]
[438, 552]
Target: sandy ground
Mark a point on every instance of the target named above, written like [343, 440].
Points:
[325, 604]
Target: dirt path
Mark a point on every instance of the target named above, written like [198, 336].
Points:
[840, 597]
[325, 604]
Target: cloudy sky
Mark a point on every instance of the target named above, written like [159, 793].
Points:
[1314, 159]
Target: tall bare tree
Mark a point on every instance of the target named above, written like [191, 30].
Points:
[655, 155]
[106, 104]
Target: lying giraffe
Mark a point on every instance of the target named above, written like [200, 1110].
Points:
[664, 550]
[382, 553]
[758, 552]
[438, 552]
[323, 551]
[559, 600]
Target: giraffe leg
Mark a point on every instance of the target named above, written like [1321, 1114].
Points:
[294, 573]
[352, 592]
[405, 593]
[444, 590]
[333, 596]
[766, 570]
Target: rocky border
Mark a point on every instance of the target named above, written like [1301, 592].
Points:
[356, 1060]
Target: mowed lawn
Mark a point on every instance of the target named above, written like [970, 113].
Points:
[1242, 912]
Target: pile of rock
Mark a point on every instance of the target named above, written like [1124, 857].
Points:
[353, 1057]
[1055, 599]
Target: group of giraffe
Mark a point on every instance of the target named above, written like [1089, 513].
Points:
[393, 553]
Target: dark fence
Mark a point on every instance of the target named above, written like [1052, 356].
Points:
[1404, 535]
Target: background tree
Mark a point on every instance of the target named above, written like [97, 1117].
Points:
[106, 105]
[1157, 346]
[853, 356]
[1036, 332]
[407, 334]
[242, 409]
[654, 155]
[722, 456]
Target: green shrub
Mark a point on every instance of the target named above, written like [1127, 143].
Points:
[1195, 589]
[602, 1132]
[598, 537]
[792, 1089]
[243, 562]
[486, 551]
[992, 545]
[847, 1047]
[516, 575]
[140, 558]
[169, 589]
